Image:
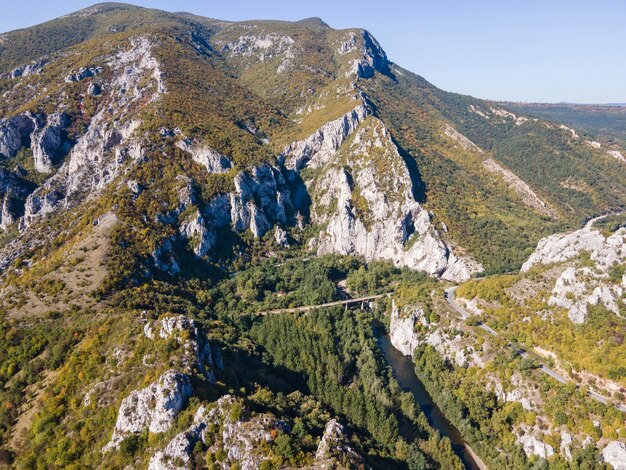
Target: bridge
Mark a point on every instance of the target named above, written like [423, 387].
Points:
[363, 301]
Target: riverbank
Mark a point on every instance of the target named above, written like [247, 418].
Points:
[404, 372]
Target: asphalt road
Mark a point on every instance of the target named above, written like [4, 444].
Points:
[450, 297]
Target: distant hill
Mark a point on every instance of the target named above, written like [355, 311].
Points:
[604, 120]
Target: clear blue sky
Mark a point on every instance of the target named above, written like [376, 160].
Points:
[549, 51]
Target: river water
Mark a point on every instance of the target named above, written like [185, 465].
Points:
[404, 372]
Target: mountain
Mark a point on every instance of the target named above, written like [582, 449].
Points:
[164, 177]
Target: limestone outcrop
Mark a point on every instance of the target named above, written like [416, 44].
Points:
[579, 285]
[615, 455]
[153, 408]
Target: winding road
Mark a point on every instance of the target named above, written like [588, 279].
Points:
[450, 297]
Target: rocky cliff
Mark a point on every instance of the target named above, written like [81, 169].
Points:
[587, 258]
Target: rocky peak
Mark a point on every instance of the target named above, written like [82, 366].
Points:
[578, 286]
[333, 448]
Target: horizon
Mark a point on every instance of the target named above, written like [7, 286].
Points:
[467, 49]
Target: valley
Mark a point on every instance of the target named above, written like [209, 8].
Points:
[264, 244]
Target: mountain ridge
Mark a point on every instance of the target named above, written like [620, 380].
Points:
[164, 176]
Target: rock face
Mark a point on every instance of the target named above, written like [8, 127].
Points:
[239, 438]
[369, 56]
[49, 143]
[83, 72]
[534, 446]
[261, 199]
[321, 146]
[405, 337]
[459, 138]
[402, 330]
[15, 133]
[198, 355]
[333, 448]
[364, 196]
[615, 455]
[213, 161]
[177, 453]
[579, 286]
[100, 153]
[153, 408]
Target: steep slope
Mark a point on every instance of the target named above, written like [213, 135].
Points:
[157, 172]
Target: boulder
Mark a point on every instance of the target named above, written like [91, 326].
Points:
[615, 455]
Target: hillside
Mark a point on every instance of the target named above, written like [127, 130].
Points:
[163, 177]
[608, 121]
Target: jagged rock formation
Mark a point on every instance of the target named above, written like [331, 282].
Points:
[534, 446]
[238, 438]
[15, 133]
[213, 161]
[153, 408]
[578, 286]
[405, 337]
[197, 352]
[333, 448]
[364, 196]
[48, 142]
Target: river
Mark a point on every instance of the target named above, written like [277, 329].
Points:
[404, 372]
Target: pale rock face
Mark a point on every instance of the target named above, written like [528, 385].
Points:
[322, 146]
[153, 408]
[565, 246]
[49, 144]
[196, 229]
[33, 67]
[197, 352]
[534, 446]
[261, 199]
[370, 56]
[14, 134]
[460, 268]
[617, 155]
[615, 455]
[393, 225]
[404, 337]
[280, 237]
[108, 144]
[83, 72]
[334, 446]
[263, 47]
[459, 138]
[518, 186]
[177, 453]
[570, 130]
[349, 44]
[480, 112]
[213, 161]
[6, 214]
[566, 445]
[520, 392]
[402, 330]
[580, 286]
[241, 440]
